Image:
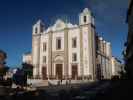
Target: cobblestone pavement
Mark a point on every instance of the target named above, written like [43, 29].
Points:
[86, 91]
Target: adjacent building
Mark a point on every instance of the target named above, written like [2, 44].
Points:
[117, 67]
[27, 58]
[103, 58]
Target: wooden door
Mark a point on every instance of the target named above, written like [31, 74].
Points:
[74, 71]
[44, 73]
[59, 71]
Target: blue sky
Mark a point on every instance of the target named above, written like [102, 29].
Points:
[18, 16]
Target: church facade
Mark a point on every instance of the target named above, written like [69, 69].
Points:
[67, 51]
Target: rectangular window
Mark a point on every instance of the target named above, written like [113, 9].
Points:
[74, 57]
[36, 30]
[74, 42]
[58, 43]
[44, 59]
[44, 46]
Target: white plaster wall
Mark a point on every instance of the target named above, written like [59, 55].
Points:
[87, 58]
[44, 39]
[113, 66]
[35, 48]
[103, 66]
[108, 69]
[56, 35]
[72, 33]
[108, 51]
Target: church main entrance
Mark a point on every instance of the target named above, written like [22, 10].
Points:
[59, 71]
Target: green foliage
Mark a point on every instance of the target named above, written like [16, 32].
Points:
[28, 69]
[3, 71]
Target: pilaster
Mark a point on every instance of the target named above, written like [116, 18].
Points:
[50, 54]
[81, 52]
[66, 52]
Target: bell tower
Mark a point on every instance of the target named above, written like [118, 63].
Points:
[86, 17]
[38, 29]
[87, 38]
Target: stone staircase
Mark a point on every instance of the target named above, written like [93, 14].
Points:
[37, 82]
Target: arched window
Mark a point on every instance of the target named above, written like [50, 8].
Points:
[41, 28]
[85, 19]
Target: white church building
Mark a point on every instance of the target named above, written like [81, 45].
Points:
[64, 50]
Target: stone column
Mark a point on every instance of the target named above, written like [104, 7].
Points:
[50, 54]
[104, 64]
[91, 37]
[102, 58]
[36, 54]
[66, 52]
[40, 53]
[81, 53]
[109, 55]
[107, 61]
[93, 51]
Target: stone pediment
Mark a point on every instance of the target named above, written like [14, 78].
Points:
[59, 24]
[58, 59]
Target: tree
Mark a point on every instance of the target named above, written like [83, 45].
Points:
[3, 70]
[28, 69]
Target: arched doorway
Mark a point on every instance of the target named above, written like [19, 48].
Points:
[59, 71]
[58, 60]
[44, 73]
[74, 71]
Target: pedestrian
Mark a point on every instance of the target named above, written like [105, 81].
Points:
[61, 81]
[69, 81]
[20, 78]
[66, 82]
